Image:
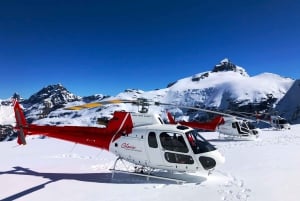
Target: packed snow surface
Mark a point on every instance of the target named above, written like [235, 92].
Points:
[266, 169]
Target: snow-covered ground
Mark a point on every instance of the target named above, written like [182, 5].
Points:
[267, 169]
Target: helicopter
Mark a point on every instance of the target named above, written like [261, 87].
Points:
[140, 138]
[275, 121]
[226, 124]
[279, 122]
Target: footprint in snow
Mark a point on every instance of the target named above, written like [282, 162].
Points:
[234, 190]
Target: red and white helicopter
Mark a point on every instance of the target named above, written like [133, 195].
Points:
[226, 124]
[279, 122]
[275, 121]
[139, 138]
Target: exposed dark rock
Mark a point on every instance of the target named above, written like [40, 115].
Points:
[171, 84]
[7, 133]
[227, 65]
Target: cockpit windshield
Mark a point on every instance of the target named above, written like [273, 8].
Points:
[198, 143]
[282, 121]
[251, 125]
[244, 129]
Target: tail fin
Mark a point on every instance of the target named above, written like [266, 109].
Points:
[218, 120]
[171, 119]
[21, 122]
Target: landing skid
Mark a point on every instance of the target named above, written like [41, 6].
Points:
[238, 137]
[143, 172]
[148, 176]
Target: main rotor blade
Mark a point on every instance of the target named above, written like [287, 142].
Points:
[98, 104]
[196, 108]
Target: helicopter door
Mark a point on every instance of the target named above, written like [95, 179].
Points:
[174, 149]
[154, 153]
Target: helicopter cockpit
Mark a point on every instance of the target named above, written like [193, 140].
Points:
[241, 127]
[198, 143]
[279, 122]
[176, 149]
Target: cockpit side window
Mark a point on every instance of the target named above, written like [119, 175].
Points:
[234, 124]
[173, 142]
[152, 140]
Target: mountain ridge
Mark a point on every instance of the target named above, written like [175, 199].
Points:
[226, 87]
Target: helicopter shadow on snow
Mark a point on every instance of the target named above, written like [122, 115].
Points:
[104, 177]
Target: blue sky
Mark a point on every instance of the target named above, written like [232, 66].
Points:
[108, 46]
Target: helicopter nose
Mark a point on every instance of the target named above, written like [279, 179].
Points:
[207, 162]
[211, 160]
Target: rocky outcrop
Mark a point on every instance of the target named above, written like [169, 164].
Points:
[227, 65]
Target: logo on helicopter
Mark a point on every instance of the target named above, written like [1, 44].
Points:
[127, 146]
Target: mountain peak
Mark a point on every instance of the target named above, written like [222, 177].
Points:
[226, 65]
[47, 100]
[53, 93]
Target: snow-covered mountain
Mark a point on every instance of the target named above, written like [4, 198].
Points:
[46, 100]
[50, 99]
[289, 105]
[7, 119]
[226, 87]
[229, 88]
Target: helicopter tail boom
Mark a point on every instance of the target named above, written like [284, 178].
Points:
[210, 126]
[120, 124]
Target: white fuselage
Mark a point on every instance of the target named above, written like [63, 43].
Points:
[278, 122]
[236, 128]
[147, 146]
